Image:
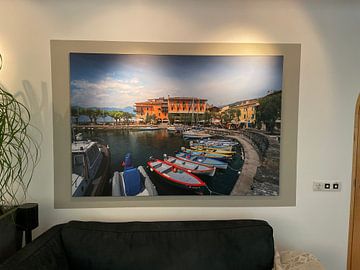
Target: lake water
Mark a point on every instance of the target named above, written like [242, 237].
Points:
[145, 144]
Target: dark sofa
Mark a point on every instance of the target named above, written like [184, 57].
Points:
[187, 245]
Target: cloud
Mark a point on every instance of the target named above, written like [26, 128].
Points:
[108, 92]
[221, 80]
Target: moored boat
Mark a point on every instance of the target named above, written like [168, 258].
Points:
[214, 146]
[203, 160]
[175, 176]
[207, 154]
[171, 128]
[216, 142]
[149, 128]
[212, 150]
[132, 181]
[90, 168]
[195, 134]
[191, 166]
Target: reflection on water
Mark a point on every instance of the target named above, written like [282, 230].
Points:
[145, 144]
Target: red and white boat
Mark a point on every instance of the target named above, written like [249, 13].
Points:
[190, 166]
[175, 175]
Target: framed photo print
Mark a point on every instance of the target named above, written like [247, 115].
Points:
[174, 124]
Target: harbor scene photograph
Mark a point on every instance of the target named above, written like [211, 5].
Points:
[162, 125]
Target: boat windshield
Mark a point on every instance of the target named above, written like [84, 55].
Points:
[78, 164]
[93, 154]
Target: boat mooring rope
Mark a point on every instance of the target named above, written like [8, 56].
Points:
[235, 170]
[214, 192]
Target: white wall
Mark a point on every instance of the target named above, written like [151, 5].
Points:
[330, 64]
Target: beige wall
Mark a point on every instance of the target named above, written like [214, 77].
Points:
[329, 85]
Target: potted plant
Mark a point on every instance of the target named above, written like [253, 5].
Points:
[19, 155]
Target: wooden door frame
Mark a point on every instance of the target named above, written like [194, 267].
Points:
[355, 169]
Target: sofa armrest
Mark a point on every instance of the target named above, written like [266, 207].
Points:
[296, 260]
[46, 252]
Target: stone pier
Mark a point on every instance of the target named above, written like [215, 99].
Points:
[251, 163]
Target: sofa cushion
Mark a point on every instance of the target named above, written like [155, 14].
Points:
[191, 245]
[45, 253]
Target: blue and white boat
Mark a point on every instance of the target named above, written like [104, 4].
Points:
[203, 160]
[132, 181]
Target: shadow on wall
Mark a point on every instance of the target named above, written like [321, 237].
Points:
[38, 104]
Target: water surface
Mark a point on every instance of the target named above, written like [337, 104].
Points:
[145, 144]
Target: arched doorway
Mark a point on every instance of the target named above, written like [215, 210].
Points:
[354, 230]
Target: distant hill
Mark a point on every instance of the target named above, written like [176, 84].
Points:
[273, 92]
[128, 109]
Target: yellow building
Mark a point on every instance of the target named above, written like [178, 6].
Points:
[247, 111]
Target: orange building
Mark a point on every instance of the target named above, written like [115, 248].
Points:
[160, 108]
[186, 105]
[156, 108]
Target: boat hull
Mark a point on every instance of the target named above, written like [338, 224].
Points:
[208, 155]
[172, 175]
[191, 166]
[203, 160]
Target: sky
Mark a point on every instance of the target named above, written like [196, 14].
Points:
[119, 80]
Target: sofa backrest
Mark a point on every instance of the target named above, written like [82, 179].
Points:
[189, 245]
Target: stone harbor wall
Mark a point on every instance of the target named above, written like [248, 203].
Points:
[266, 179]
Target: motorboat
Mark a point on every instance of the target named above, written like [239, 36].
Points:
[175, 176]
[202, 160]
[196, 134]
[216, 143]
[148, 128]
[90, 168]
[171, 128]
[132, 181]
[190, 166]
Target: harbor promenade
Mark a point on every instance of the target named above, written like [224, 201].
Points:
[251, 163]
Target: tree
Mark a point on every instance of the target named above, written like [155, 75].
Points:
[238, 115]
[269, 110]
[116, 115]
[152, 119]
[75, 112]
[127, 116]
[171, 118]
[207, 117]
[89, 112]
[147, 118]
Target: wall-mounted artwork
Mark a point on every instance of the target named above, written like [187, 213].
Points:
[174, 124]
[157, 125]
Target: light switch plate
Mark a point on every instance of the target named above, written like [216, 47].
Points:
[327, 186]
